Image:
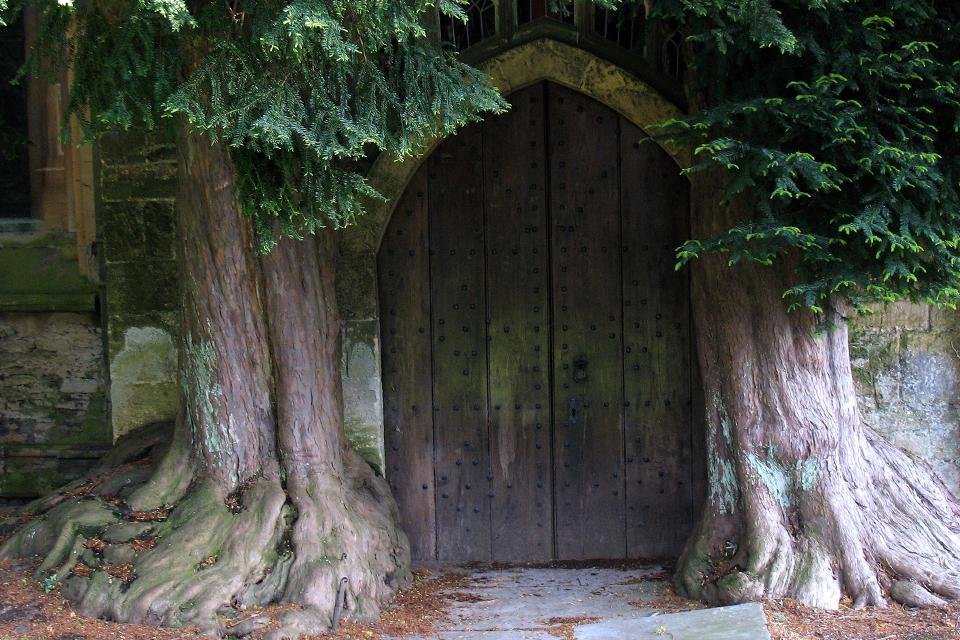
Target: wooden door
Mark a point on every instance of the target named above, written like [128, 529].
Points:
[535, 337]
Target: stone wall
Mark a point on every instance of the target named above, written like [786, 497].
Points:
[137, 227]
[52, 389]
[906, 361]
[56, 415]
[52, 377]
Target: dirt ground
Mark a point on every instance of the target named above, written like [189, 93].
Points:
[26, 612]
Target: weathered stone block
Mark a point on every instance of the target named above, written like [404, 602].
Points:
[122, 230]
[128, 147]
[898, 315]
[80, 386]
[138, 229]
[160, 231]
[362, 390]
[143, 378]
[141, 286]
[908, 382]
[147, 180]
[51, 380]
[945, 320]
[43, 275]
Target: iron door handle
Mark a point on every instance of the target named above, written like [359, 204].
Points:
[580, 369]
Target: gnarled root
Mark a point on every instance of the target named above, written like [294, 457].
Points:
[867, 521]
[210, 554]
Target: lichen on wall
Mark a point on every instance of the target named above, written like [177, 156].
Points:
[143, 379]
[363, 391]
[906, 362]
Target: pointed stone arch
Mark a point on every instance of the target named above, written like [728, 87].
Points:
[511, 70]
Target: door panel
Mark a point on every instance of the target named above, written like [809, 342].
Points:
[588, 376]
[457, 291]
[518, 308]
[404, 284]
[656, 350]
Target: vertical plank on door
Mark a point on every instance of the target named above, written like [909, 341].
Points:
[587, 349]
[459, 348]
[403, 280]
[654, 205]
[519, 328]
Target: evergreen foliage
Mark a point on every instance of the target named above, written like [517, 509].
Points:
[837, 121]
[300, 90]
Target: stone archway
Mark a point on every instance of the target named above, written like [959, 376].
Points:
[529, 63]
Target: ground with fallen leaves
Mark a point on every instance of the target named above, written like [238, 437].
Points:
[789, 620]
[26, 612]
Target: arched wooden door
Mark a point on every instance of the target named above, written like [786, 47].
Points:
[536, 340]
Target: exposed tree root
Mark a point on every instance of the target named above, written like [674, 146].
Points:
[206, 555]
[861, 524]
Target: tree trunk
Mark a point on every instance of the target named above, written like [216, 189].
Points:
[258, 498]
[804, 500]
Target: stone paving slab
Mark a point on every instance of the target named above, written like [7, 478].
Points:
[518, 603]
[739, 622]
[512, 634]
[523, 598]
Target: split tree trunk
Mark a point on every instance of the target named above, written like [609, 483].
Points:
[258, 497]
[804, 500]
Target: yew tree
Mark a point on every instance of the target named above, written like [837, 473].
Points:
[825, 138]
[255, 497]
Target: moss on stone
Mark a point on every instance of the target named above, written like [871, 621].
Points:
[94, 430]
[29, 477]
[42, 274]
[139, 180]
[365, 440]
[143, 379]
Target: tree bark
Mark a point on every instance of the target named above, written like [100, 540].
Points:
[804, 500]
[258, 497]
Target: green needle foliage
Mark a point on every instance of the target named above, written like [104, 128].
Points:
[837, 121]
[300, 90]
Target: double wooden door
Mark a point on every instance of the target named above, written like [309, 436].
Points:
[535, 340]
